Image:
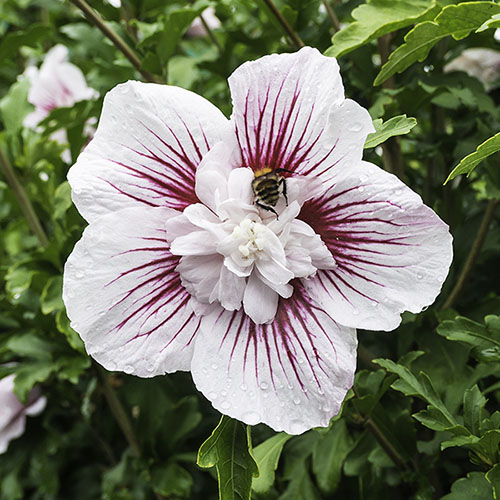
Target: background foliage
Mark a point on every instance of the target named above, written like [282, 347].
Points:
[422, 420]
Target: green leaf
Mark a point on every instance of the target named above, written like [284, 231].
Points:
[455, 20]
[329, 455]
[470, 162]
[63, 325]
[485, 448]
[62, 200]
[397, 125]
[51, 296]
[435, 420]
[493, 477]
[492, 23]
[421, 386]
[473, 487]
[29, 37]
[484, 339]
[171, 480]
[15, 106]
[474, 403]
[267, 456]
[376, 18]
[229, 449]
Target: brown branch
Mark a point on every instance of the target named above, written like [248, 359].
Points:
[23, 199]
[210, 33]
[285, 24]
[332, 16]
[473, 254]
[117, 41]
[118, 411]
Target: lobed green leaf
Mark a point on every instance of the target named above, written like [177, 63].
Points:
[470, 162]
[397, 125]
[229, 449]
[267, 456]
[454, 20]
[376, 18]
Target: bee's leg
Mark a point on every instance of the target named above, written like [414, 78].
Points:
[283, 183]
[268, 208]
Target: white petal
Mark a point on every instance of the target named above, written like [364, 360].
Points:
[274, 271]
[125, 298]
[392, 252]
[260, 302]
[290, 112]
[239, 185]
[148, 144]
[229, 290]
[9, 402]
[12, 430]
[292, 374]
[214, 170]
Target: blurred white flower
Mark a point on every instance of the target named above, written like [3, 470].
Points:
[197, 29]
[57, 84]
[115, 3]
[480, 63]
[13, 412]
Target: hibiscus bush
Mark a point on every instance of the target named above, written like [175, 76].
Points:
[250, 249]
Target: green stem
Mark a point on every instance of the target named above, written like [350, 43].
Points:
[331, 14]
[210, 34]
[117, 41]
[391, 149]
[118, 411]
[22, 198]
[286, 26]
[473, 254]
[382, 439]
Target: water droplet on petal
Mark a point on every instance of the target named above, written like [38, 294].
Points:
[420, 275]
[79, 274]
[296, 401]
[251, 417]
[204, 371]
[225, 405]
[363, 178]
[355, 312]
[374, 303]
[212, 395]
[251, 394]
[214, 366]
[264, 386]
[223, 393]
[128, 369]
[243, 387]
[356, 127]
[361, 189]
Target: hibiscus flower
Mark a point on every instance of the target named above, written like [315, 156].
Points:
[13, 414]
[180, 269]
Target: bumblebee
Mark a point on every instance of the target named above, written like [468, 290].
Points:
[266, 188]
